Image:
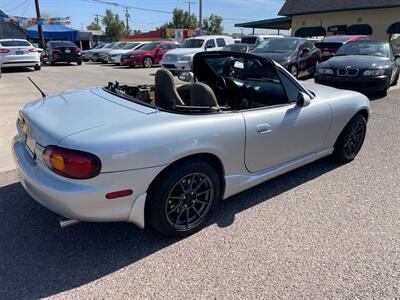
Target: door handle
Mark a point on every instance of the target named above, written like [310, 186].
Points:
[263, 128]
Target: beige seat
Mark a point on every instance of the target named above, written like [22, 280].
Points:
[203, 95]
[165, 91]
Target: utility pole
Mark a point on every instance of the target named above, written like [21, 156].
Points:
[39, 24]
[200, 14]
[190, 17]
[127, 20]
[97, 19]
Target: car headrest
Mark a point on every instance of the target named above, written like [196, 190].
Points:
[203, 95]
[165, 92]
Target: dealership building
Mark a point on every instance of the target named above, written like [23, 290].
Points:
[314, 18]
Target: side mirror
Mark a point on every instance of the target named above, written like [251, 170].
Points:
[303, 100]
[186, 77]
[305, 51]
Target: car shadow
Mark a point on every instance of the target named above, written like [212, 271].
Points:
[17, 70]
[37, 259]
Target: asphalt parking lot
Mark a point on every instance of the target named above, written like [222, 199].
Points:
[322, 231]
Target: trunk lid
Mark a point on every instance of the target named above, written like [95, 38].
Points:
[55, 117]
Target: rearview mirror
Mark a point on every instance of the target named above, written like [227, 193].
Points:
[303, 100]
[186, 77]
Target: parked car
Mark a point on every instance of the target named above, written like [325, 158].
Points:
[114, 57]
[243, 48]
[329, 45]
[365, 66]
[101, 55]
[19, 53]
[87, 55]
[120, 156]
[148, 55]
[62, 51]
[180, 59]
[297, 55]
[256, 39]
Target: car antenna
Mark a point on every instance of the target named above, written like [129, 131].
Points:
[36, 86]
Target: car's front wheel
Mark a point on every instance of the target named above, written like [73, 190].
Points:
[183, 198]
[351, 139]
[148, 62]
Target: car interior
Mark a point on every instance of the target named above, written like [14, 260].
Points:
[222, 83]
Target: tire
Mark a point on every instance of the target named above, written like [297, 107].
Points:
[294, 70]
[79, 63]
[385, 91]
[350, 140]
[37, 67]
[394, 83]
[147, 62]
[183, 199]
[52, 63]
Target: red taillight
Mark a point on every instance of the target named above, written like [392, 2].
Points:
[33, 50]
[77, 50]
[55, 50]
[72, 163]
[4, 50]
[119, 194]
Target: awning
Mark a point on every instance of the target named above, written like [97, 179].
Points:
[284, 23]
[359, 29]
[310, 31]
[53, 32]
[394, 28]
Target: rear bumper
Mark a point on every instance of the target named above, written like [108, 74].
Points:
[20, 64]
[83, 200]
[365, 84]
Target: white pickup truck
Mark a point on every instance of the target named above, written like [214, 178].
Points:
[180, 59]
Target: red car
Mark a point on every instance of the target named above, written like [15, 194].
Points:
[148, 55]
[331, 44]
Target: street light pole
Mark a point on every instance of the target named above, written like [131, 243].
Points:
[127, 20]
[200, 14]
[40, 28]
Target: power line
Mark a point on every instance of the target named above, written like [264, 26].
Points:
[129, 6]
[19, 5]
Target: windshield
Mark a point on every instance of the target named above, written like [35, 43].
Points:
[276, 46]
[108, 46]
[235, 48]
[100, 46]
[193, 43]
[249, 40]
[365, 48]
[63, 44]
[130, 45]
[119, 46]
[15, 44]
[150, 46]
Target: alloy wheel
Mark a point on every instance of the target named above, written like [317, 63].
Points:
[189, 201]
[148, 62]
[354, 139]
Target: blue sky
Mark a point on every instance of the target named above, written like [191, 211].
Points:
[82, 11]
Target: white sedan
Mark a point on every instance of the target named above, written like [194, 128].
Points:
[114, 57]
[19, 53]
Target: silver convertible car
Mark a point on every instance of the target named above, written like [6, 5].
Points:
[164, 155]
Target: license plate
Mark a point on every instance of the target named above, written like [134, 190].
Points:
[30, 143]
[326, 53]
[67, 51]
[19, 52]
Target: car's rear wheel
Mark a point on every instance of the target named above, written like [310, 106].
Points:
[351, 139]
[37, 67]
[53, 63]
[147, 62]
[79, 63]
[183, 199]
[396, 80]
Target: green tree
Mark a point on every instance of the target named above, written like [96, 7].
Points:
[114, 26]
[94, 26]
[182, 19]
[213, 24]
